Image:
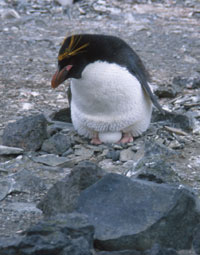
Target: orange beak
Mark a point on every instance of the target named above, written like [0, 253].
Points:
[60, 76]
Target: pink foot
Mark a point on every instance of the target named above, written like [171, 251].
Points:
[127, 138]
[95, 140]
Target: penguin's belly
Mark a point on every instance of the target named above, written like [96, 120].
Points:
[108, 98]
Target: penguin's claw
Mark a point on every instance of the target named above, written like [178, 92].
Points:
[95, 140]
[127, 138]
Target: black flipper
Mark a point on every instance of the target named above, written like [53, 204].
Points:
[137, 68]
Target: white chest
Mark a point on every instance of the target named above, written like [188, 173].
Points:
[104, 88]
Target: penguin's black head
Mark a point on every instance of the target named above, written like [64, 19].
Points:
[71, 59]
[79, 50]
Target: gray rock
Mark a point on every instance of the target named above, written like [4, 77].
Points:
[63, 234]
[124, 252]
[5, 188]
[156, 170]
[57, 126]
[6, 150]
[158, 250]
[62, 115]
[84, 153]
[196, 240]
[113, 154]
[65, 2]
[53, 160]
[21, 207]
[163, 91]
[10, 14]
[127, 154]
[176, 120]
[68, 152]
[62, 197]
[57, 144]
[23, 181]
[180, 83]
[196, 14]
[155, 165]
[196, 81]
[155, 250]
[191, 82]
[153, 148]
[26, 181]
[135, 214]
[27, 133]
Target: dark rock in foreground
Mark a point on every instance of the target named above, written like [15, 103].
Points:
[155, 250]
[135, 214]
[196, 240]
[27, 133]
[158, 250]
[125, 252]
[126, 217]
[63, 196]
[63, 234]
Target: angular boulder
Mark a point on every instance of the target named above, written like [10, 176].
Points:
[63, 196]
[27, 133]
[196, 240]
[155, 165]
[135, 214]
[57, 144]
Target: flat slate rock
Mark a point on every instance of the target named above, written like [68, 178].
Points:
[6, 150]
[27, 133]
[52, 160]
[134, 214]
[21, 182]
[23, 207]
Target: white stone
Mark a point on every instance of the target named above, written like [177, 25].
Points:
[10, 13]
[27, 106]
[65, 2]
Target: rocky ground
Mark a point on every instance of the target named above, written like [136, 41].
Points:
[166, 35]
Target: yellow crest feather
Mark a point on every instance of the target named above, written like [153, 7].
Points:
[72, 50]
